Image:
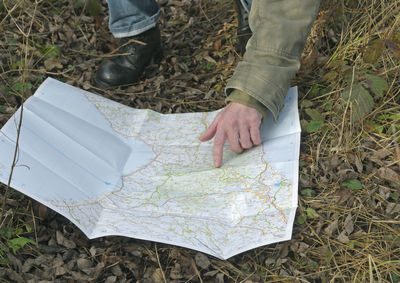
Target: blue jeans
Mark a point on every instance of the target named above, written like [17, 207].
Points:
[132, 17]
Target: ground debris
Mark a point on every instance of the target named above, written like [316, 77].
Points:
[346, 235]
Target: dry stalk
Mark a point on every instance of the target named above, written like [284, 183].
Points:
[24, 75]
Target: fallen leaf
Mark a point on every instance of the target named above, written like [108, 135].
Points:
[157, 276]
[361, 101]
[348, 224]
[389, 175]
[377, 84]
[202, 260]
[373, 51]
[343, 238]
[331, 227]
[111, 279]
[52, 63]
[392, 208]
[352, 184]
[176, 272]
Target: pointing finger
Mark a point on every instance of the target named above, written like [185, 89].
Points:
[218, 148]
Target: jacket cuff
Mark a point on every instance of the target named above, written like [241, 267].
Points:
[245, 99]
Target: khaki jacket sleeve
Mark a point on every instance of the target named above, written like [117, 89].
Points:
[272, 57]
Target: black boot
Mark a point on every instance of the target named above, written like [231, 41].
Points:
[243, 31]
[126, 69]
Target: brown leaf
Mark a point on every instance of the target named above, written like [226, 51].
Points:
[202, 260]
[378, 155]
[392, 208]
[111, 279]
[353, 158]
[373, 51]
[98, 269]
[116, 270]
[15, 277]
[396, 155]
[176, 272]
[28, 263]
[220, 278]
[158, 276]
[15, 262]
[52, 63]
[208, 58]
[343, 238]
[348, 224]
[83, 263]
[392, 46]
[389, 175]
[211, 273]
[331, 227]
[343, 195]
[62, 241]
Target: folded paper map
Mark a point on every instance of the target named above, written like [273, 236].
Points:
[115, 170]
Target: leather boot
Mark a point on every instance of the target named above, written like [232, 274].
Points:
[243, 32]
[127, 69]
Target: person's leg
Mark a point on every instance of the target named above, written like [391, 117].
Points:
[135, 21]
[132, 17]
[246, 4]
[243, 31]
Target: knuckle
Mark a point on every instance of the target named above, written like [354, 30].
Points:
[254, 120]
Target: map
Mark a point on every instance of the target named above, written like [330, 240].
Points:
[115, 170]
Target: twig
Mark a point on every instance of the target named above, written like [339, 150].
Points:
[159, 264]
[20, 120]
[196, 270]
[3, 208]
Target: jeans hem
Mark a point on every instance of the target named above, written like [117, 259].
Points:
[137, 28]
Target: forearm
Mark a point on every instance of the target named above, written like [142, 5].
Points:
[272, 56]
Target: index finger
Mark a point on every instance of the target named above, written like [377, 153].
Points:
[218, 147]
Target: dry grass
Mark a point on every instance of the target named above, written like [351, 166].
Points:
[340, 235]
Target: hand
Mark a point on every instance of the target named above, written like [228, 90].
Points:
[239, 124]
